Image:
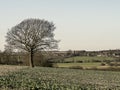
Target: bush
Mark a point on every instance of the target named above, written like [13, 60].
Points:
[91, 68]
[103, 64]
[96, 60]
[76, 67]
[79, 61]
[46, 63]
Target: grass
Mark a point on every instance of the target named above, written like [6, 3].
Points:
[40, 78]
[85, 62]
[87, 66]
[84, 65]
[89, 58]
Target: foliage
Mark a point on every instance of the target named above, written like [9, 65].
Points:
[39, 78]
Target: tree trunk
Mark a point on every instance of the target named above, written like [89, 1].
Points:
[31, 58]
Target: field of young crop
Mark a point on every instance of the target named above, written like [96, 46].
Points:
[67, 65]
[89, 62]
[89, 58]
[41, 78]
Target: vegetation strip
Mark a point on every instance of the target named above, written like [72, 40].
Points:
[40, 78]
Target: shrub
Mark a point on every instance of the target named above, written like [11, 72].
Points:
[76, 67]
[79, 61]
[91, 68]
[46, 63]
[103, 64]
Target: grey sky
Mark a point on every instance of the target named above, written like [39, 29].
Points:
[81, 24]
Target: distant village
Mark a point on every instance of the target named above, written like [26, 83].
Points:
[106, 53]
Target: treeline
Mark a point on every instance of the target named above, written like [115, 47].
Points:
[22, 58]
[46, 58]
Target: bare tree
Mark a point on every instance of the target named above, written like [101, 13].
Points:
[32, 35]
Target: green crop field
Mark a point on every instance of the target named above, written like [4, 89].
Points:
[78, 64]
[85, 62]
[89, 58]
[41, 78]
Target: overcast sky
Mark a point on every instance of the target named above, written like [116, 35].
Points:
[80, 24]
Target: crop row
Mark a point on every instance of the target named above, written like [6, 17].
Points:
[39, 78]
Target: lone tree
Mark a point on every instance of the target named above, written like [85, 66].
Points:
[32, 35]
